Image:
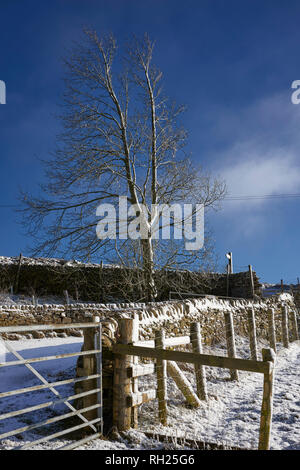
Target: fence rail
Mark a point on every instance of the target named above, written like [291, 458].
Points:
[129, 347]
[192, 358]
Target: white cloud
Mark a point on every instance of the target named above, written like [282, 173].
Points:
[271, 122]
[257, 173]
[262, 158]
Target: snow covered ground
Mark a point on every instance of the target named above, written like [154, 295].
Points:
[230, 417]
[53, 262]
[232, 414]
[18, 299]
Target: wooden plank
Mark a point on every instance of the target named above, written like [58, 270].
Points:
[134, 380]
[161, 373]
[98, 361]
[267, 402]
[183, 384]
[170, 342]
[122, 384]
[138, 398]
[252, 334]
[272, 333]
[230, 340]
[177, 341]
[149, 343]
[89, 367]
[293, 316]
[285, 326]
[200, 373]
[139, 370]
[192, 358]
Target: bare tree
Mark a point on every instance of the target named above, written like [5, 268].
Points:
[121, 136]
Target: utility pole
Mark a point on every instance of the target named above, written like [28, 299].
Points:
[251, 280]
[230, 263]
[229, 270]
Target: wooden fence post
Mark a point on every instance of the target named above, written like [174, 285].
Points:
[183, 384]
[295, 334]
[161, 372]
[252, 334]
[99, 361]
[135, 381]
[196, 341]
[91, 366]
[271, 325]
[267, 402]
[122, 383]
[230, 342]
[284, 326]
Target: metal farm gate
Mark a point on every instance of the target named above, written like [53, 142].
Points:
[91, 396]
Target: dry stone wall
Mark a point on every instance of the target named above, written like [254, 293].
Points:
[296, 295]
[103, 283]
[174, 316]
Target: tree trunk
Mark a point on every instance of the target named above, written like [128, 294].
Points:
[148, 270]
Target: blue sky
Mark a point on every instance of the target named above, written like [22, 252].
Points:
[231, 62]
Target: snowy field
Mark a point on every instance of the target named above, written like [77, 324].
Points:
[230, 417]
[18, 299]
